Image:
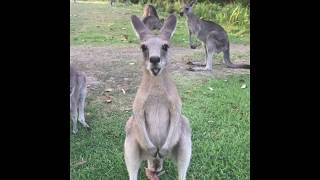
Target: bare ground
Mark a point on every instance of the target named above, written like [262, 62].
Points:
[117, 68]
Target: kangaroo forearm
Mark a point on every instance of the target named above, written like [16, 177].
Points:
[142, 131]
[173, 134]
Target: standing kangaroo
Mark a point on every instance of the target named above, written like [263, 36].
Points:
[78, 93]
[157, 129]
[151, 18]
[213, 37]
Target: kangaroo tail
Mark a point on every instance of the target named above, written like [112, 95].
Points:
[226, 58]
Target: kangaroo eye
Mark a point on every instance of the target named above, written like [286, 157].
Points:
[187, 9]
[144, 47]
[165, 47]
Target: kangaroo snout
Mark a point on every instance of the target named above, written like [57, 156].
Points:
[154, 59]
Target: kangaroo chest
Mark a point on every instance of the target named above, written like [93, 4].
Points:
[192, 26]
[157, 118]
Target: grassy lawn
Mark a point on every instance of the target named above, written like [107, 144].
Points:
[218, 108]
[219, 114]
[99, 24]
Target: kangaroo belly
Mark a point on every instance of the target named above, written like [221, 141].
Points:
[157, 122]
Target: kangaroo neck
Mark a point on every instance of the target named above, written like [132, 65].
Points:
[155, 81]
[192, 18]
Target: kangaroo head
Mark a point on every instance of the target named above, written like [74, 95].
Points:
[158, 24]
[186, 8]
[153, 23]
[154, 47]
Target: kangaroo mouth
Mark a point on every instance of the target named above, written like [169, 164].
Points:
[155, 71]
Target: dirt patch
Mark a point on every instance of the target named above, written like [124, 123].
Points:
[117, 68]
[180, 56]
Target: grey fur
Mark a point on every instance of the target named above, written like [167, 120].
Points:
[78, 93]
[157, 130]
[152, 22]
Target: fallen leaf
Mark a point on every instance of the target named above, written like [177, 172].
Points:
[124, 37]
[123, 28]
[132, 63]
[210, 88]
[243, 86]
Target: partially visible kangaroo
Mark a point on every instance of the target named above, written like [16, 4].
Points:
[213, 37]
[157, 129]
[149, 10]
[151, 18]
[152, 22]
[78, 93]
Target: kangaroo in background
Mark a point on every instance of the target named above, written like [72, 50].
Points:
[151, 18]
[78, 93]
[157, 129]
[149, 10]
[213, 37]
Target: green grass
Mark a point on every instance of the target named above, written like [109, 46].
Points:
[99, 24]
[219, 119]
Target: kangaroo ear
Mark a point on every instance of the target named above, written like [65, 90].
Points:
[193, 2]
[140, 29]
[169, 27]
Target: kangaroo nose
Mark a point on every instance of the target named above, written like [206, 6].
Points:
[154, 59]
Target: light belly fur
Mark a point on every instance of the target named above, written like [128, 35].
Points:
[157, 120]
